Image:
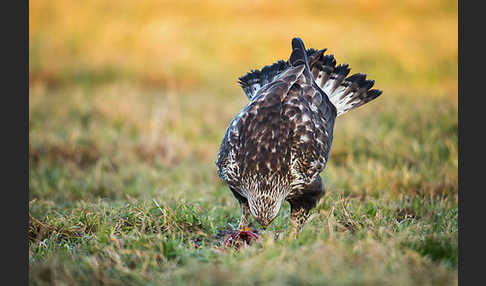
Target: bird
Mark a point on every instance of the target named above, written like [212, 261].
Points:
[277, 145]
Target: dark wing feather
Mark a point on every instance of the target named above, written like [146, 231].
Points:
[226, 163]
[287, 127]
[252, 81]
[255, 79]
[311, 116]
[250, 139]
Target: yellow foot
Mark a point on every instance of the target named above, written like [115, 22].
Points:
[246, 228]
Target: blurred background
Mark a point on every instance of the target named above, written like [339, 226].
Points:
[125, 90]
[194, 44]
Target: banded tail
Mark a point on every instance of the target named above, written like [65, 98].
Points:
[345, 93]
[255, 79]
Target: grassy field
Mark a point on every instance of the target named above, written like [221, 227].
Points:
[128, 105]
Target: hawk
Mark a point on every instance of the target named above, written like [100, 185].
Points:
[275, 148]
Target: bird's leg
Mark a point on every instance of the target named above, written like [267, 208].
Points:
[301, 204]
[245, 210]
[298, 217]
[245, 214]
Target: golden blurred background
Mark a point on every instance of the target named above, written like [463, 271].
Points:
[208, 44]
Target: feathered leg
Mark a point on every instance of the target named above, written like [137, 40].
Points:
[302, 202]
[245, 214]
[245, 210]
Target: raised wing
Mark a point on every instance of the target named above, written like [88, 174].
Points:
[344, 93]
[252, 81]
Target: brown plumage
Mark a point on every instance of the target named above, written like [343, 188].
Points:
[278, 144]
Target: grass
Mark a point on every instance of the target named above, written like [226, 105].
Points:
[128, 106]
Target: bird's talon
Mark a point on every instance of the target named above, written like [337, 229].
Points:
[246, 228]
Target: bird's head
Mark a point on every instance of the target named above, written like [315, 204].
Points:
[264, 208]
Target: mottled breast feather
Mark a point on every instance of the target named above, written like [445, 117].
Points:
[285, 131]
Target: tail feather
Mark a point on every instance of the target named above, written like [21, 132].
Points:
[325, 64]
[345, 93]
[299, 53]
[313, 56]
[255, 79]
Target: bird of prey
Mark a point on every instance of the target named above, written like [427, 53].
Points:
[277, 145]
